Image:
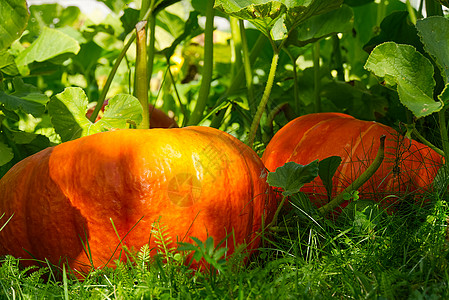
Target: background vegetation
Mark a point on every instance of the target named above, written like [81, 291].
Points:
[274, 63]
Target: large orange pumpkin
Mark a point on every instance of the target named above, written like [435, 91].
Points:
[196, 181]
[408, 166]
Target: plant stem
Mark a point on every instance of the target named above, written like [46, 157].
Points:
[316, 76]
[108, 82]
[206, 80]
[276, 214]
[336, 53]
[411, 12]
[295, 81]
[236, 45]
[111, 74]
[426, 142]
[248, 69]
[151, 49]
[238, 79]
[381, 11]
[275, 111]
[356, 184]
[141, 82]
[433, 8]
[264, 101]
[444, 135]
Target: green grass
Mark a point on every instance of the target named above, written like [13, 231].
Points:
[367, 255]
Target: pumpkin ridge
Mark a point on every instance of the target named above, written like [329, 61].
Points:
[334, 116]
[348, 163]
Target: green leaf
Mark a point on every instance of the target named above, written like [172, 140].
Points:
[444, 96]
[122, 110]
[397, 28]
[300, 11]
[116, 5]
[292, 176]
[410, 72]
[357, 2]
[326, 170]
[189, 29]
[317, 27]
[434, 32]
[13, 21]
[276, 18]
[7, 63]
[26, 98]
[68, 114]
[262, 14]
[6, 154]
[50, 44]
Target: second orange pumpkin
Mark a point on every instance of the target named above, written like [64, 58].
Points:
[408, 167]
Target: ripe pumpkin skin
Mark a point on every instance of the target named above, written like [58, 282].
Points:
[320, 135]
[73, 190]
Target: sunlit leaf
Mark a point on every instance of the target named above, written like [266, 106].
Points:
[402, 67]
[68, 114]
[262, 14]
[50, 44]
[13, 21]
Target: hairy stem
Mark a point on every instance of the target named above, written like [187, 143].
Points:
[356, 184]
[444, 135]
[264, 101]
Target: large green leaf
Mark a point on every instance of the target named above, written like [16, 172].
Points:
[26, 98]
[317, 27]
[50, 44]
[410, 72]
[262, 14]
[68, 114]
[301, 10]
[122, 110]
[276, 18]
[13, 21]
[434, 32]
[397, 28]
[292, 176]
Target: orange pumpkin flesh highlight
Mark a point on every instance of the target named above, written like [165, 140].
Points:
[199, 181]
[408, 166]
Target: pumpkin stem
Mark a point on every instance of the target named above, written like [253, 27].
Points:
[276, 214]
[141, 82]
[356, 184]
